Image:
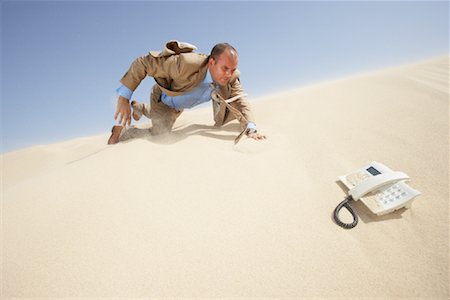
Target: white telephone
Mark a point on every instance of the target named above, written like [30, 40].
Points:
[379, 188]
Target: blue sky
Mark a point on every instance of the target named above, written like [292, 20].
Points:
[62, 61]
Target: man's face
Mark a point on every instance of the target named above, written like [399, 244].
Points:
[223, 68]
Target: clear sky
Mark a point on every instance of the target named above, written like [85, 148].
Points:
[62, 61]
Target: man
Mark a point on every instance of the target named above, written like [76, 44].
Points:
[185, 79]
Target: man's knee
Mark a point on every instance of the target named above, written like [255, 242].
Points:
[155, 130]
[161, 127]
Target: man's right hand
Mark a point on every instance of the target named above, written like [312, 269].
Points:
[123, 111]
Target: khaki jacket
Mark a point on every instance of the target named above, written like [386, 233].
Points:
[177, 70]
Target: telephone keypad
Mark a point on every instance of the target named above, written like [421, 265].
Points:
[389, 196]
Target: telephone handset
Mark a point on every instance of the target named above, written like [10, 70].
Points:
[375, 182]
[379, 188]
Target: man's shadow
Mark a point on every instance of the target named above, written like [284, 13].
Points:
[227, 133]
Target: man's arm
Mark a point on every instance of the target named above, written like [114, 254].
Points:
[244, 107]
[148, 65]
[241, 104]
[162, 67]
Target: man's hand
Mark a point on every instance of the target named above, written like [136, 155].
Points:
[255, 135]
[123, 111]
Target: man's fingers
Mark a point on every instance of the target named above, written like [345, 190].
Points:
[120, 118]
[258, 137]
[125, 119]
[123, 112]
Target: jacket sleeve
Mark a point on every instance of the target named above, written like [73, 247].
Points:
[148, 65]
[241, 104]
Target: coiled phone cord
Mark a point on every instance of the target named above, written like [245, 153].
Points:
[346, 204]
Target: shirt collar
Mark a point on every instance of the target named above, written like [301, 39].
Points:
[208, 78]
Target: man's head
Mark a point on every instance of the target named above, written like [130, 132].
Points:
[222, 63]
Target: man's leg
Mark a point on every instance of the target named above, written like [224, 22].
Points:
[163, 117]
[163, 125]
[118, 131]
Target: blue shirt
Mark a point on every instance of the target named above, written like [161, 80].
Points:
[124, 92]
[199, 95]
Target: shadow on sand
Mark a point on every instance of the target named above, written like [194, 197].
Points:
[227, 133]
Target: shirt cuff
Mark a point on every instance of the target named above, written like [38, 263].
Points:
[124, 92]
[251, 126]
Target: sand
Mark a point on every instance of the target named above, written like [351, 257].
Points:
[193, 216]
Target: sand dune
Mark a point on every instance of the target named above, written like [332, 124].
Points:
[191, 215]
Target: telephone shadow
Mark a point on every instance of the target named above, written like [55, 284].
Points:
[181, 133]
[364, 213]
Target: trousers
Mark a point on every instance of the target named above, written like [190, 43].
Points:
[163, 117]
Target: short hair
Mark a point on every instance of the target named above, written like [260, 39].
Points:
[218, 49]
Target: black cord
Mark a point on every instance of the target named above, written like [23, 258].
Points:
[346, 204]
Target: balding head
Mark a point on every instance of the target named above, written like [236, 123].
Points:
[220, 48]
[222, 63]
